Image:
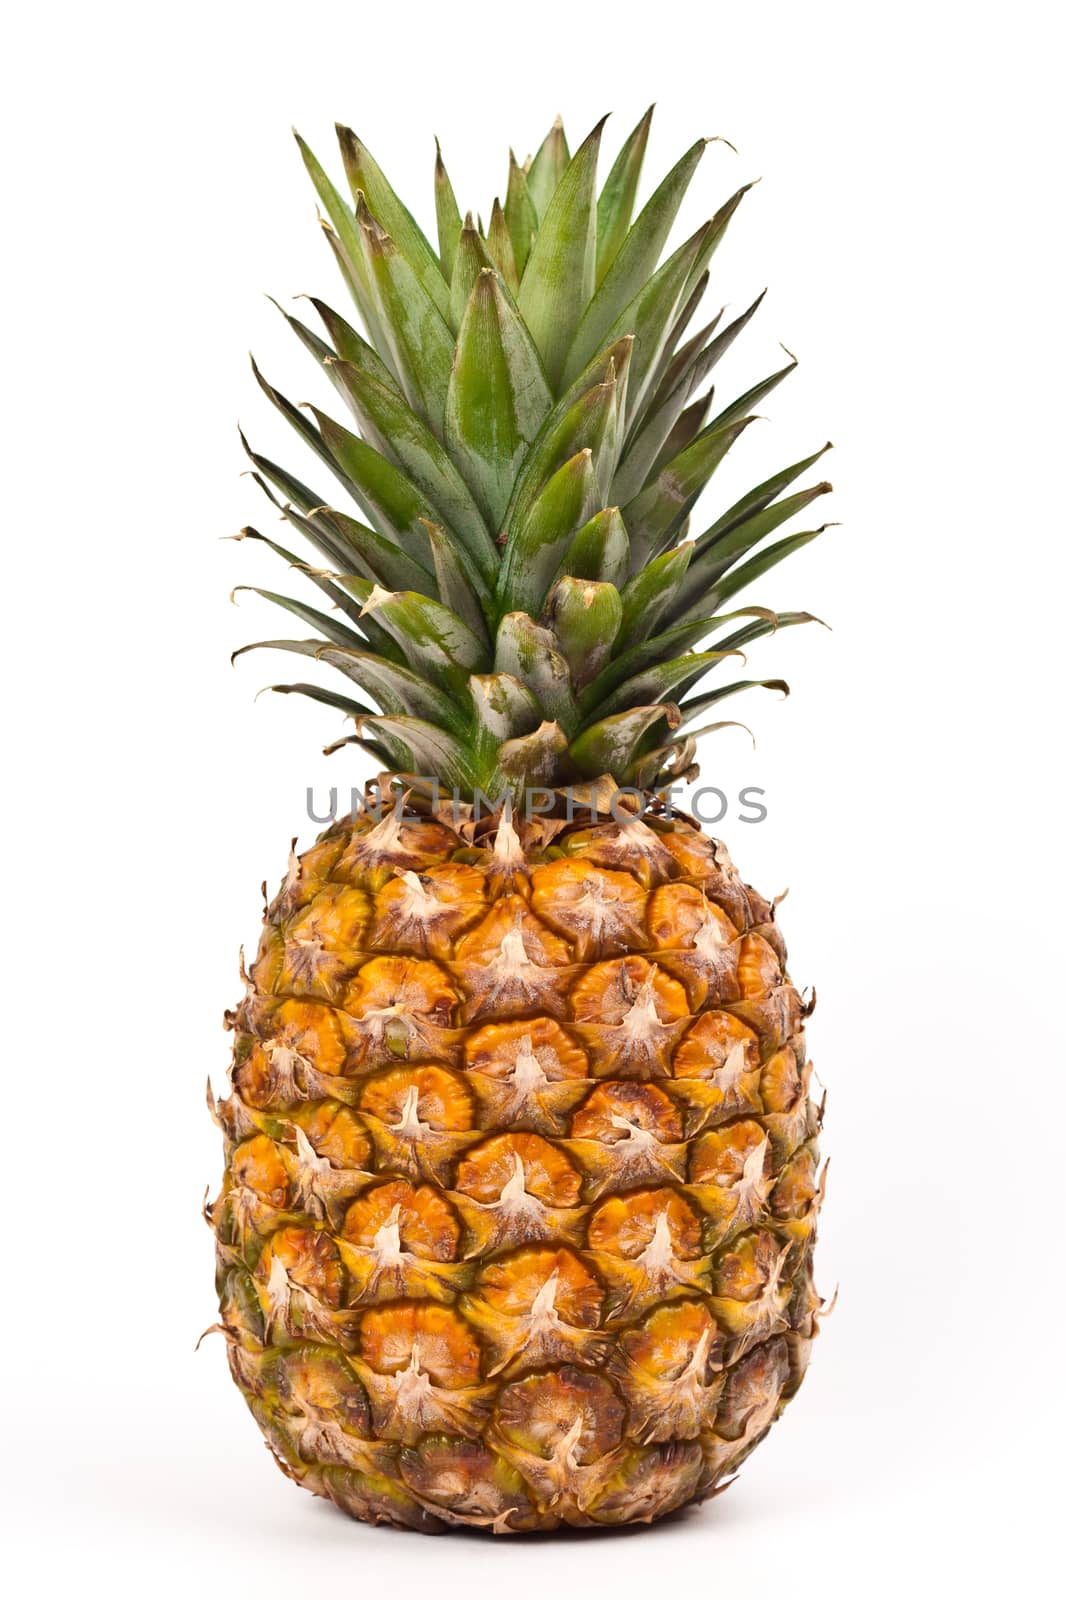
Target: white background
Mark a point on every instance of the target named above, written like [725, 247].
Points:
[909, 227]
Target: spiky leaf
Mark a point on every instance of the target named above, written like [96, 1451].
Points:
[366, 177]
[614, 209]
[635, 262]
[498, 397]
[449, 219]
[537, 544]
[547, 168]
[560, 274]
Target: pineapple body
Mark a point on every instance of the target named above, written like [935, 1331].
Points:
[520, 1186]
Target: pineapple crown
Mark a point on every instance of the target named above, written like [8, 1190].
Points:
[519, 595]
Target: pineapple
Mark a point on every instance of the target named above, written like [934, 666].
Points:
[521, 1174]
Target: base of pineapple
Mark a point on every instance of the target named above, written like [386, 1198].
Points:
[521, 1183]
[445, 1481]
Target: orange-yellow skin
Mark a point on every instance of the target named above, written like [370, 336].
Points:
[521, 1180]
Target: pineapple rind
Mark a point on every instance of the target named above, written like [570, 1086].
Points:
[520, 1188]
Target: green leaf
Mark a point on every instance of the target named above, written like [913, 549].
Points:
[716, 233]
[387, 497]
[471, 260]
[336, 596]
[371, 321]
[528, 653]
[531, 760]
[366, 177]
[419, 336]
[503, 709]
[649, 595]
[719, 554]
[649, 318]
[611, 365]
[691, 710]
[600, 550]
[325, 697]
[667, 373]
[665, 646]
[537, 544]
[325, 536]
[501, 248]
[758, 498]
[435, 752]
[351, 346]
[293, 488]
[520, 214]
[759, 630]
[685, 430]
[322, 531]
[561, 271]
[654, 516]
[345, 243]
[449, 218]
[611, 744]
[592, 422]
[392, 756]
[460, 586]
[336, 632]
[642, 454]
[310, 340]
[394, 687]
[422, 459]
[656, 683]
[585, 618]
[435, 641]
[740, 577]
[700, 355]
[717, 347]
[745, 402]
[498, 397]
[382, 560]
[635, 264]
[297, 419]
[547, 168]
[390, 490]
[614, 209]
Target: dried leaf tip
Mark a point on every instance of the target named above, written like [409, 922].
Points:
[366, 219]
[507, 849]
[377, 597]
[348, 137]
[387, 832]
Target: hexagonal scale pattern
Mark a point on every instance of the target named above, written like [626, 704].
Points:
[521, 1175]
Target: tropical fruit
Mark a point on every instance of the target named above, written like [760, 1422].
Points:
[521, 1168]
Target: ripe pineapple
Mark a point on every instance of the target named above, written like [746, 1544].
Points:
[521, 1174]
